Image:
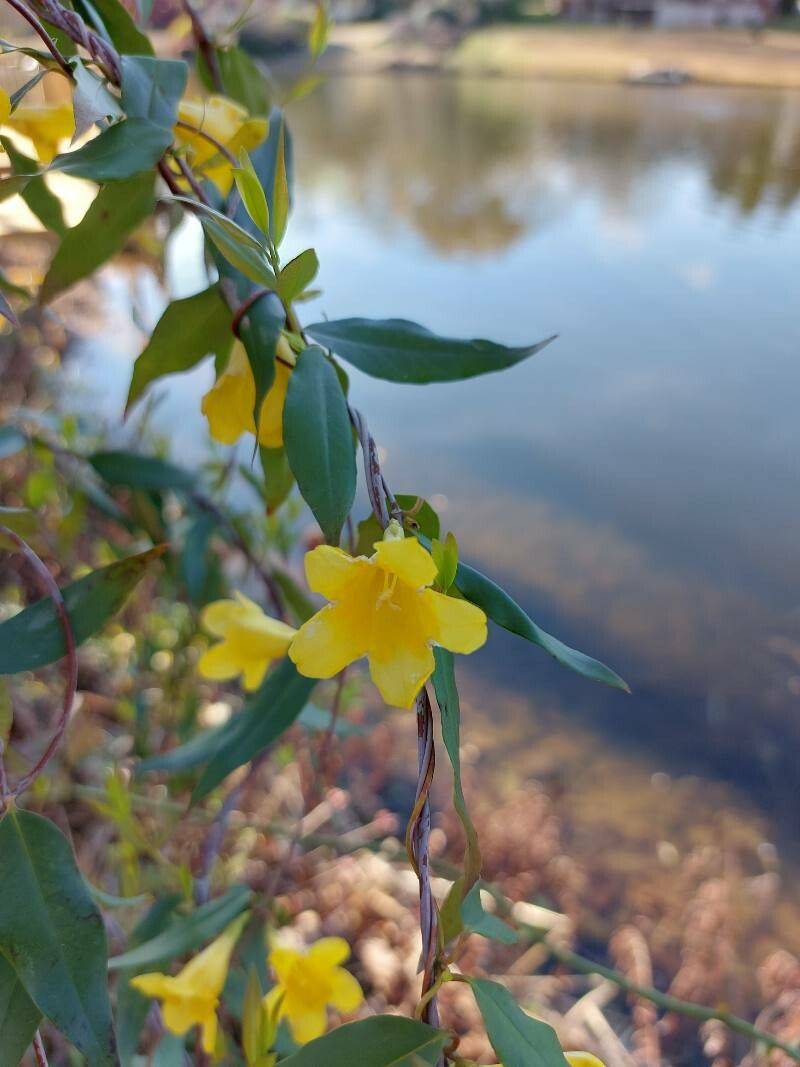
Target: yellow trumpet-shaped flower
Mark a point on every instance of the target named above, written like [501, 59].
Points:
[5, 106]
[250, 641]
[191, 997]
[307, 982]
[46, 125]
[229, 124]
[229, 404]
[381, 607]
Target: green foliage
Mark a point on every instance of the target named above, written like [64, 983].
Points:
[253, 196]
[121, 151]
[19, 1016]
[280, 203]
[117, 210]
[401, 351]
[91, 101]
[141, 472]
[34, 637]
[52, 934]
[112, 19]
[478, 921]
[187, 332]
[518, 1040]
[152, 88]
[319, 441]
[382, 1041]
[278, 477]
[297, 275]
[44, 204]
[241, 79]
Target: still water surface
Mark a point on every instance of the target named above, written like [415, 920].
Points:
[637, 485]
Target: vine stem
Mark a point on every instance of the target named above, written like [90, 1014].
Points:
[38, 1050]
[51, 45]
[70, 667]
[73, 25]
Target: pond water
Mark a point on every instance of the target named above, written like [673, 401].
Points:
[637, 485]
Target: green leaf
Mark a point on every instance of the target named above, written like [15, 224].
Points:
[482, 922]
[91, 100]
[241, 77]
[279, 208]
[195, 555]
[272, 709]
[152, 88]
[199, 750]
[444, 684]
[19, 1016]
[171, 1051]
[117, 210]
[401, 351]
[297, 275]
[252, 1018]
[381, 1041]
[45, 205]
[260, 333]
[119, 27]
[52, 934]
[185, 933]
[34, 637]
[319, 441]
[445, 556]
[188, 331]
[119, 152]
[254, 197]
[239, 253]
[17, 183]
[141, 472]
[320, 30]
[518, 1040]
[278, 477]
[500, 607]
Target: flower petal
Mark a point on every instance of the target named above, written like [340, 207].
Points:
[408, 560]
[209, 1032]
[153, 984]
[205, 974]
[282, 960]
[400, 672]
[346, 993]
[308, 1025]
[253, 673]
[180, 1014]
[219, 663]
[270, 419]
[228, 405]
[329, 951]
[220, 616]
[337, 635]
[583, 1059]
[330, 570]
[5, 106]
[460, 626]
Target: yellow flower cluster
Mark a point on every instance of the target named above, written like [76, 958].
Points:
[305, 984]
[381, 607]
[226, 123]
[229, 404]
[47, 126]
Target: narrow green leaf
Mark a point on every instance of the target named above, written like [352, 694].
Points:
[478, 921]
[187, 332]
[45, 205]
[199, 750]
[279, 216]
[252, 1015]
[152, 88]
[119, 152]
[278, 477]
[320, 30]
[141, 472]
[319, 442]
[254, 197]
[117, 210]
[444, 683]
[240, 254]
[17, 183]
[518, 1040]
[19, 1016]
[297, 275]
[52, 934]
[381, 1041]
[185, 933]
[195, 555]
[118, 24]
[500, 607]
[401, 351]
[34, 637]
[270, 711]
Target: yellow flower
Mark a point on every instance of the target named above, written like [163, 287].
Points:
[578, 1059]
[190, 998]
[308, 982]
[46, 125]
[228, 405]
[382, 608]
[228, 123]
[5, 106]
[250, 641]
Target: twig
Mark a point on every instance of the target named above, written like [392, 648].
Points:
[73, 25]
[52, 47]
[204, 44]
[70, 667]
[376, 484]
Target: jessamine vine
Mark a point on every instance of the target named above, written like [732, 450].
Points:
[399, 595]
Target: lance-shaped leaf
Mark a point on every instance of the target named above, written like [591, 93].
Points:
[34, 637]
[278, 477]
[121, 151]
[114, 214]
[402, 351]
[518, 1040]
[152, 88]
[279, 207]
[273, 709]
[260, 333]
[318, 440]
[382, 1041]
[479, 921]
[45, 205]
[185, 933]
[51, 932]
[194, 753]
[141, 472]
[19, 1016]
[188, 331]
[297, 275]
[320, 30]
[254, 197]
[113, 21]
[239, 252]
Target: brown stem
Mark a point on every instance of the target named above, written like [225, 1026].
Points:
[73, 25]
[38, 1050]
[188, 174]
[205, 45]
[51, 45]
[220, 147]
[70, 667]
